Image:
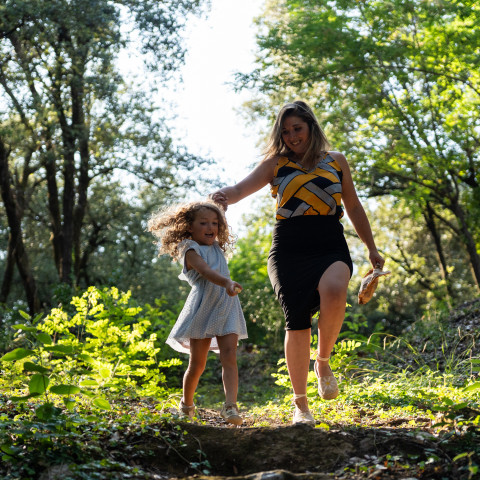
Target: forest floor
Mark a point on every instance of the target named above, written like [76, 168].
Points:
[397, 430]
[387, 451]
[365, 445]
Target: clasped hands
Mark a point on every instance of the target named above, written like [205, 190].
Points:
[220, 198]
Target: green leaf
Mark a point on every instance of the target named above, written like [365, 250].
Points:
[44, 338]
[89, 383]
[67, 349]
[33, 367]
[23, 327]
[25, 315]
[7, 449]
[88, 393]
[86, 358]
[104, 372]
[102, 403]
[17, 354]
[24, 398]
[38, 383]
[69, 403]
[461, 455]
[472, 387]
[65, 389]
[47, 411]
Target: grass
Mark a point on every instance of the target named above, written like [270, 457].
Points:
[407, 386]
[99, 443]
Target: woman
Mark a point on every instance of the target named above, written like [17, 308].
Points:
[309, 263]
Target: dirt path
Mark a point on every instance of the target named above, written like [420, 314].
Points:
[286, 452]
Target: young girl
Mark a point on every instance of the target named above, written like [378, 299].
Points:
[196, 234]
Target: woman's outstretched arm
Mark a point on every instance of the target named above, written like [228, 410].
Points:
[260, 176]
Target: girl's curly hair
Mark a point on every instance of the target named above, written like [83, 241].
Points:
[171, 226]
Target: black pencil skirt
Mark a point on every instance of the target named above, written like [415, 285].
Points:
[302, 249]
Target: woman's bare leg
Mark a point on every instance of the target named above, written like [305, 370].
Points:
[333, 300]
[297, 355]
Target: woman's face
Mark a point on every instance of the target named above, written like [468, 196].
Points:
[204, 228]
[296, 135]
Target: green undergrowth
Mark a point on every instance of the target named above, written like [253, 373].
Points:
[83, 390]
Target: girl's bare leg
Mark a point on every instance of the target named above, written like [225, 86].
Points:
[297, 355]
[227, 345]
[196, 365]
[333, 300]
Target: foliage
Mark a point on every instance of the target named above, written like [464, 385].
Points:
[388, 383]
[105, 347]
[71, 125]
[396, 86]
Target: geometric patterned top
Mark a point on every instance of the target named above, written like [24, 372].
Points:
[300, 192]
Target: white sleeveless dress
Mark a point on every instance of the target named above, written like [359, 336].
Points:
[208, 311]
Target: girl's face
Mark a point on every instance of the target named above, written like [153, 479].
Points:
[204, 228]
[296, 135]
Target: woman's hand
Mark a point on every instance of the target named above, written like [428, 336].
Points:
[260, 176]
[220, 198]
[376, 259]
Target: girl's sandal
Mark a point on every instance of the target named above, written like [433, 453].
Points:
[327, 385]
[186, 410]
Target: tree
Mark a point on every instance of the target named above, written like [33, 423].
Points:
[69, 119]
[397, 84]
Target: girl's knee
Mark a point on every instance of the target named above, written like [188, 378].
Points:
[196, 367]
[228, 356]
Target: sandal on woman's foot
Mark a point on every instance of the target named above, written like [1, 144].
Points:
[327, 385]
[186, 410]
[301, 416]
[230, 413]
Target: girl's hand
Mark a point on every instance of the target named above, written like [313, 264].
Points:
[220, 198]
[233, 288]
[376, 259]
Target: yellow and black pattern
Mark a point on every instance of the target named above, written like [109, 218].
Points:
[299, 192]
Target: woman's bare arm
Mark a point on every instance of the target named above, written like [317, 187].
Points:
[356, 212]
[258, 178]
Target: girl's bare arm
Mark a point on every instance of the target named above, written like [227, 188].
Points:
[195, 261]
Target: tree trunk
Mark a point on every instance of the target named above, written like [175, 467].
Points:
[8, 273]
[54, 207]
[468, 241]
[430, 223]
[83, 179]
[14, 223]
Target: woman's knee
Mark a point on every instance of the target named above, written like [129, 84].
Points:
[335, 290]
